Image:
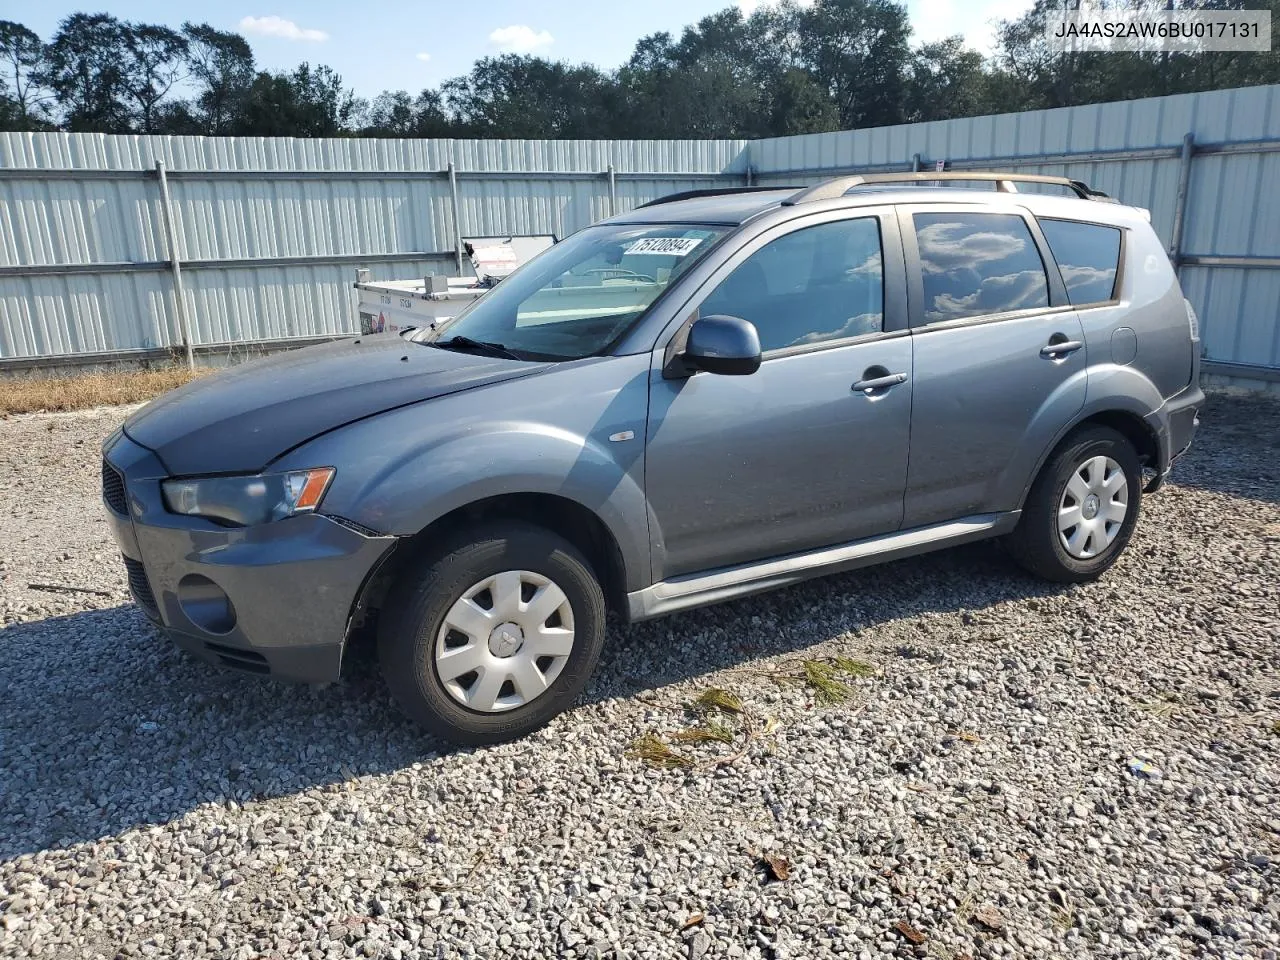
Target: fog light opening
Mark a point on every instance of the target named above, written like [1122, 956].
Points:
[206, 605]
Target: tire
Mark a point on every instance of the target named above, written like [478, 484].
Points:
[1037, 543]
[418, 632]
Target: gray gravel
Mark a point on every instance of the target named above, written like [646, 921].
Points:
[1089, 771]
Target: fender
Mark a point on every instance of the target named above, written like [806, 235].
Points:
[412, 466]
[510, 458]
[1111, 387]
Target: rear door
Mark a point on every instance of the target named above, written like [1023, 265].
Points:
[999, 358]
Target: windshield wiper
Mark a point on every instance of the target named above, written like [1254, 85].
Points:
[459, 342]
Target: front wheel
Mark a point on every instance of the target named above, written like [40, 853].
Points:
[494, 634]
[1082, 508]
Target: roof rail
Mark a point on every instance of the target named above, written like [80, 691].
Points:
[838, 187]
[709, 192]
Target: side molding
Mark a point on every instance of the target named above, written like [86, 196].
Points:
[670, 596]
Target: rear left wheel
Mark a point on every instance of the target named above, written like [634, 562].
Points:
[1081, 509]
[493, 634]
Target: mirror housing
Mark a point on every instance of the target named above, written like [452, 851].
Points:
[720, 344]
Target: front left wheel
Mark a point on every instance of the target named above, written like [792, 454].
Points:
[493, 634]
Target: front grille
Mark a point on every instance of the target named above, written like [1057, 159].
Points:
[140, 587]
[113, 488]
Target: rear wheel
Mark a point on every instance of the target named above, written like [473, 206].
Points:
[493, 634]
[1082, 508]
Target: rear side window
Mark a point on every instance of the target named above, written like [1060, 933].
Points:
[1088, 255]
[978, 263]
[813, 285]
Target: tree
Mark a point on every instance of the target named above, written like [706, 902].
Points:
[397, 114]
[858, 51]
[85, 70]
[522, 96]
[222, 68]
[22, 59]
[153, 64]
[946, 80]
[309, 102]
[801, 106]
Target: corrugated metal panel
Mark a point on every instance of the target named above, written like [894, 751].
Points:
[313, 210]
[1233, 208]
[96, 221]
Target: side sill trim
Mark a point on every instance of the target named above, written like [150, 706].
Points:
[670, 596]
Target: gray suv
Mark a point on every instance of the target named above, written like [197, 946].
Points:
[715, 394]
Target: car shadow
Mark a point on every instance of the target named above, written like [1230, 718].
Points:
[106, 726]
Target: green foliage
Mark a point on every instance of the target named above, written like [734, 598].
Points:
[785, 69]
[824, 680]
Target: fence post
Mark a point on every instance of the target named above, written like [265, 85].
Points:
[1180, 204]
[613, 192]
[457, 216]
[175, 264]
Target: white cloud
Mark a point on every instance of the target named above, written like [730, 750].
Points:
[424, 57]
[1013, 291]
[946, 247]
[273, 26]
[519, 38]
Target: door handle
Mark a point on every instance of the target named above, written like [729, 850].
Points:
[880, 383]
[1055, 350]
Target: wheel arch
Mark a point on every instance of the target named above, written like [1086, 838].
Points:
[557, 514]
[1131, 425]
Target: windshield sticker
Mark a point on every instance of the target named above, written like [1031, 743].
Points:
[664, 246]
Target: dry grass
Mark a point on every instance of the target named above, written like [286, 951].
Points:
[81, 391]
[715, 698]
[655, 753]
[711, 732]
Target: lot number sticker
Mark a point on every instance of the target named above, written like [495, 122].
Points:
[664, 246]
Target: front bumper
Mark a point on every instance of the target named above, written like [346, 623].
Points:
[271, 599]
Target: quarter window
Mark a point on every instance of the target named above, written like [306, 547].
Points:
[814, 285]
[978, 263]
[1088, 255]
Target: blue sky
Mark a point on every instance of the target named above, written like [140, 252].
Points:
[397, 44]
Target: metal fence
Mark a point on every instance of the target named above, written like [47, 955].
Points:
[261, 235]
[117, 247]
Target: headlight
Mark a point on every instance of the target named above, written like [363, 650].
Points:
[243, 501]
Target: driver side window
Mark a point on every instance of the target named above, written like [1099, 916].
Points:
[813, 285]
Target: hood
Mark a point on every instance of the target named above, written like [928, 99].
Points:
[239, 420]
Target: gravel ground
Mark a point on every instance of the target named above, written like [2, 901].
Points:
[1030, 771]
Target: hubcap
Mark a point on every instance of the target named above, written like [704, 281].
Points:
[505, 641]
[1093, 507]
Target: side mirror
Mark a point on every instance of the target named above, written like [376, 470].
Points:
[725, 345]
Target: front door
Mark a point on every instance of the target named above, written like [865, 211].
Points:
[998, 355]
[792, 457]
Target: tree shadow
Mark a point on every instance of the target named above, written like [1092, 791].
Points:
[107, 726]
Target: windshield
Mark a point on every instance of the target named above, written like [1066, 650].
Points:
[582, 294]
